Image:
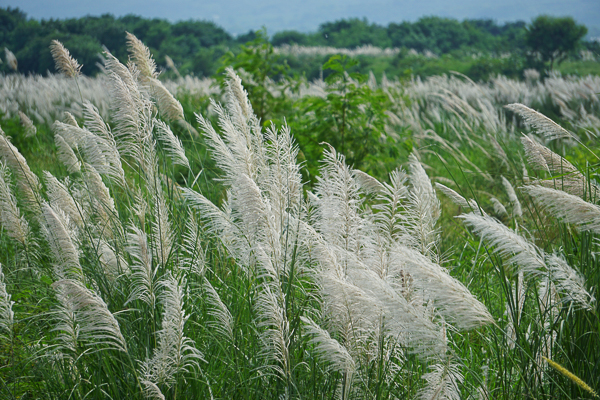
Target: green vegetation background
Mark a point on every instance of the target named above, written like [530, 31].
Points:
[477, 48]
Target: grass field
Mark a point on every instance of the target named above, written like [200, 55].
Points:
[159, 240]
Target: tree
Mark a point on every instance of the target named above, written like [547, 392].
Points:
[351, 118]
[554, 38]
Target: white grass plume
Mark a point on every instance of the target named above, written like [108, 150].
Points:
[112, 263]
[569, 283]
[542, 158]
[11, 60]
[423, 211]
[223, 321]
[97, 325]
[220, 221]
[544, 125]
[451, 298]
[162, 231]
[275, 330]
[169, 107]
[69, 119]
[63, 60]
[389, 217]
[65, 323]
[7, 315]
[238, 97]
[569, 178]
[517, 211]
[338, 216]
[95, 123]
[62, 242]
[152, 391]
[130, 110]
[193, 258]
[506, 243]
[172, 145]
[27, 123]
[143, 277]
[458, 199]
[140, 54]
[336, 355]
[367, 183]
[66, 155]
[175, 353]
[567, 207]
[101, 204]
[59, 197]
[442, 382]
[27, 182]
[15, 225]
[499, 208]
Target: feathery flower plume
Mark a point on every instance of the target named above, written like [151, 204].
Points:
[143, 279]
[112, 263]
[30, 129]
[508, 244]
[16, 226]
[103, 205]
[11, 60]
[66, 155]
[70, 119]
[95, 123]
[61, 239]
[59, 197]
[544, 125]
[458, 199]
[570, 284]
[570, 179]
[567, 207]
[63, 60]
[170, 108]
[423, 210]
[27, 181]
[223, 321]
[238, 97]
[7, 314]
[275, 335]
[141, 56]
[517, 211]
[542, 158]
[172, 145]
[130, 110]
[442, 382]
[451, 298]
[333, 353]
[499, 208]
[152, 391]
[329, 349]
[171, 65]
[162, 232]
[390, 207]
[367, 182]
[97, 325]
[175, 353]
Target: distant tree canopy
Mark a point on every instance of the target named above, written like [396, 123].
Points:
[554, 38]
[439, 35]
[183, 41]
[197, 46]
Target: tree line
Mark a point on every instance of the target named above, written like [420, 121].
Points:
[196, 46]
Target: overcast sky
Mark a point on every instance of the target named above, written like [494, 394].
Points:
[240, 16]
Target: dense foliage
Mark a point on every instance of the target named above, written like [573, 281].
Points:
[196, 46]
